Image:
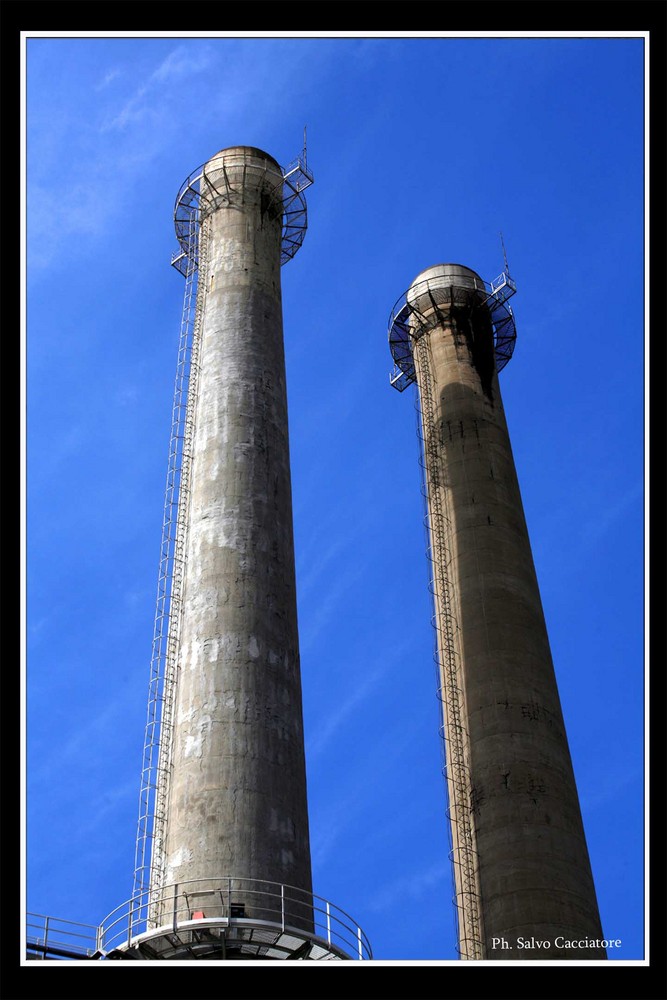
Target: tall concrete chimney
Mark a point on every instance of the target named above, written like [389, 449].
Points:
[522, 876]
[223, 857]
[237, 796]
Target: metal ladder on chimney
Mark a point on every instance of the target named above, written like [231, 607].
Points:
[456, 746]
[156, 767]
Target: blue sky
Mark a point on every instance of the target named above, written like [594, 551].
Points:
[423, 149]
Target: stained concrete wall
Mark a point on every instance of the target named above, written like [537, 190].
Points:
[535, 879]
[237, 803]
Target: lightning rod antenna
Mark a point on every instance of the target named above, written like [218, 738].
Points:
[502, 243]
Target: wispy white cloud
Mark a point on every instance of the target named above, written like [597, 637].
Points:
[341, 812]
[325, 837]
[55, 214]
[108, 78]
[83, 167]
[343, 710]
[128, 394]
[102, 806]
[317, 562]
[330, 599]
[183, 62]
[607, 518]
[68, 446]
[180, 63]
[364, 688]
[612, 786]
[96, 730]
[410, 888]
[36, 628]
[133, 598]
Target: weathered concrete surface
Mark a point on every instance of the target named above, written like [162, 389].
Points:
[237, 801]
[534, 873]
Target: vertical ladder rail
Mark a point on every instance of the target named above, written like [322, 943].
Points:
[459, 787]
[149, 852]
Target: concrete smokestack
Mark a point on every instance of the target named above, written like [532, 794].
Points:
[523, 882]
[237, 798]
[223, 857]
